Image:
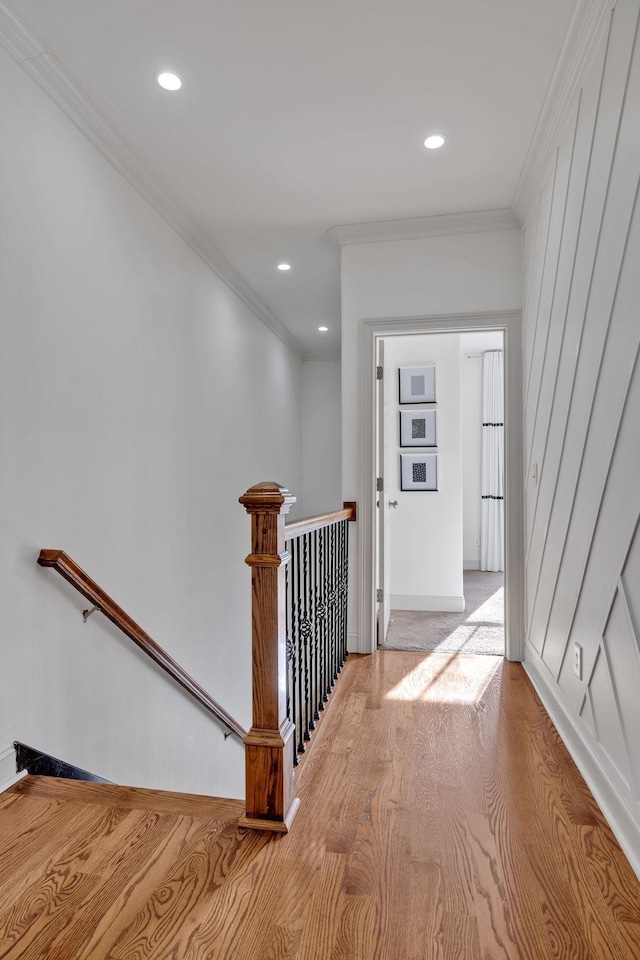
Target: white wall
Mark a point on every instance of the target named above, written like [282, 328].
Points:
[321, 430]
[447, 275]
[471, 426]
[139, 398]
[582, 428]
[425, 529]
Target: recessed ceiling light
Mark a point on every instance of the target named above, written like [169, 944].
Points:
[168, 80]
[323, 329]
[284, 266]
[434, 141]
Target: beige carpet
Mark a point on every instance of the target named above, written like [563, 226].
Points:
[480, 629]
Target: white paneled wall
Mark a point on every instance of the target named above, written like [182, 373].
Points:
[582, 428]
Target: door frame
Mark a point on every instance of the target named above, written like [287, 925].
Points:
[369, 332]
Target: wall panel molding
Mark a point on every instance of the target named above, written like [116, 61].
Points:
[593, 254]
[536, 274]
[582, 423]
[589, 21]
[609, 458]
[597, 343]
[555, 234]
[532, 322]
[583, 150]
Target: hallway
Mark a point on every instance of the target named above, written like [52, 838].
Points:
[441, 817]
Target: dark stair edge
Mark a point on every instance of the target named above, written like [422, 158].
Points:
[41, 764]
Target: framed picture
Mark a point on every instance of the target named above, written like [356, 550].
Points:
[417, 384]
[418, 471]
[418, 428]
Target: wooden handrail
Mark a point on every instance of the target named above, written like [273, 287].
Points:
[307, 524]
[71, 572]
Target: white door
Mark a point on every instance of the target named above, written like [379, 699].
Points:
[382, 513]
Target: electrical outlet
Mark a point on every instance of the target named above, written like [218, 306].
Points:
[577, 660]
[476, 541]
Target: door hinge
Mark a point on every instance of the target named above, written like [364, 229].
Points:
[379, 595]
[379, 373]
[380, 484]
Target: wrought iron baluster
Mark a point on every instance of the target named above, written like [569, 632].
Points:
[292, 650]
[322, 619]
[316, 618]
[346, 589]
[313, 586]
[305, 629]
[333, 598]
[287, 603]
[312, 631]
[299, 647]
[344, 533]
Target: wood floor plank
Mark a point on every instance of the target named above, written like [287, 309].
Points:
[138, 798]
[89, 839]
[613, 875]
[54, 826]
[7, 799]
[461, 936]
[19, 818]
[160, 921]
[441, 818]
[145, 888]
[323, 922]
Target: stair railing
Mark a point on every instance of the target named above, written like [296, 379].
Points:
[299, 607]
[73, 574]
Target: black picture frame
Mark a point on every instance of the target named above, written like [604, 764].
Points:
[418, 428]
[417, 384]
[419, 472]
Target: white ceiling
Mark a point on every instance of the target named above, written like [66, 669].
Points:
[296, 116]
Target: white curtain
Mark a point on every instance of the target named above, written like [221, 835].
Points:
[492, 528]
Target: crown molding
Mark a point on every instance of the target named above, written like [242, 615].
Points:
[43, 67]
[419, 228]
[589, 20]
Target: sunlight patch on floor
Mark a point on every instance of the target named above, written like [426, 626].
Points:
[447, 679]
[485, 611]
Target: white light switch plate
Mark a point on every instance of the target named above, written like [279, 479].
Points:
[577, 660]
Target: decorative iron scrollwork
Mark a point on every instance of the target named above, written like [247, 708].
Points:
[291, 651]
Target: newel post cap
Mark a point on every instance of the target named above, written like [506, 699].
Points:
[267, 497]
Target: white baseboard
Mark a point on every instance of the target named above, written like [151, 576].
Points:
[619, 816]
[471, 563]
[353, 643]
[438, 604]
[8, 775]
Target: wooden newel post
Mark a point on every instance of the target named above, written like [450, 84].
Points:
[270, 804]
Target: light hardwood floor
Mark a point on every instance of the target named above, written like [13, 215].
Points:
[441, 818]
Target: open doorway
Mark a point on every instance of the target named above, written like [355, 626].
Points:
[440, 452]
